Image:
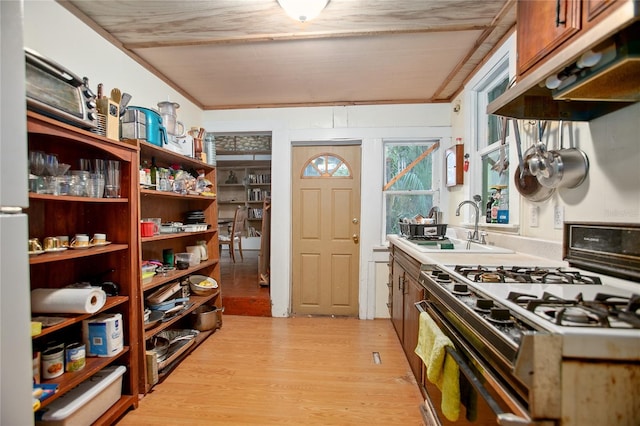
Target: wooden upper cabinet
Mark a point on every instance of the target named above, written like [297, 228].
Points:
[594, 10]
[542, 27]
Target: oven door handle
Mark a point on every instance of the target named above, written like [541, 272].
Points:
[504, 418]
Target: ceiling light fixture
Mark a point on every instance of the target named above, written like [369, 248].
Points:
[303, 10]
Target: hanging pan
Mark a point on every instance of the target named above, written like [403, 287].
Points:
[526, 182]
[567, 169]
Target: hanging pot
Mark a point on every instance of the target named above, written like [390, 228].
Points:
[526, 182]
[566, 168]
[569, 168]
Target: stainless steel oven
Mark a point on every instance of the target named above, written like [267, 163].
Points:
[485, 400]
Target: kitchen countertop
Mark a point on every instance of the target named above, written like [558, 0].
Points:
[445, 257]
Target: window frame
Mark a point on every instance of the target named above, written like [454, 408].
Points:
[499, 67]
[436, 175]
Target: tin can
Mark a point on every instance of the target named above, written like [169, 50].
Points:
[52, 362]
[75, 355]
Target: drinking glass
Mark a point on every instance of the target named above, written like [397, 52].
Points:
[85, 164]
[112, 181]
[36, 162]
[51, 164]
[96, 185]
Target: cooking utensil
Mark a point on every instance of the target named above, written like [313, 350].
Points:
[154, 318]
[116, 95]
[568, 167]
[503, 162]
[516, 132]
[124, 101]
[527, 183]
[207, 317]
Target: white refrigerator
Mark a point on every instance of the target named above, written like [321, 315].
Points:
[15, 319]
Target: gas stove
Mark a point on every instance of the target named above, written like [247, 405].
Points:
[524, 327]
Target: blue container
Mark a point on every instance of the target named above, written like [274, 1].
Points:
[503, 216]
[156, 132]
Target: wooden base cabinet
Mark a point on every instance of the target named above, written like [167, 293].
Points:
[57, 215]
[169, 207]
[405, 292]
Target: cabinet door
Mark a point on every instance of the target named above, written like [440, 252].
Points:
[542, 27]
[397, 298]
[413, 293]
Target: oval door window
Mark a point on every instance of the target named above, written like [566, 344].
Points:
[326, 165]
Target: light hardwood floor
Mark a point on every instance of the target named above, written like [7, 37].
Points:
[288, 371]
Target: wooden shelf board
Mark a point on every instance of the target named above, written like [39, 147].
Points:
[75, 254]
[72, 319]
[164, 194]
[68, 381]
[195, 301]
[165, 156]
[177, 235]
[67, 198]
[158, 280]
[41, 124]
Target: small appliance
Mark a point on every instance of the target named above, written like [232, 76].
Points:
[55, 91]
[156, 133]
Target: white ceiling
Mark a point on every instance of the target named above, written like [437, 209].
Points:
[249, 53]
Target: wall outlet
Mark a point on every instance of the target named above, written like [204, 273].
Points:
[558, 216]
[533, 216]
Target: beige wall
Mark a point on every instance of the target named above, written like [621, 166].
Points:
[57, 34]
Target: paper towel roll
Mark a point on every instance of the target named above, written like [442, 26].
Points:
[67, 300]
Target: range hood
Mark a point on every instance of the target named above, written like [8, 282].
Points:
[613, 83]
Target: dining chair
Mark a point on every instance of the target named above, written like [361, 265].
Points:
[235, 235]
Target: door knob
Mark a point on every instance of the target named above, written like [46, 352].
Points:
[355, 220]
[356, 238]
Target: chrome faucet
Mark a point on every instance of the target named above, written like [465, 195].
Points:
[473, 236]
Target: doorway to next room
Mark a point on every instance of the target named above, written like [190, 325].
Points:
[243, 163]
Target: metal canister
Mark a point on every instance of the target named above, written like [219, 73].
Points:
[75, 357]
[53, 362]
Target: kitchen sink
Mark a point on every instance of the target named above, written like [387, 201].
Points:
[454, 245]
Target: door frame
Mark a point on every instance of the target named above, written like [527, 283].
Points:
[319, 144]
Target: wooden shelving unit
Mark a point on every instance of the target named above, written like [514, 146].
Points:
[253, 187]
[173, 207]
[51, 215]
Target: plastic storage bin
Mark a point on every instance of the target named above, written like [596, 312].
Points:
[85, 403]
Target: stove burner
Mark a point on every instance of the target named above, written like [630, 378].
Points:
[600, 312]
[518, 274]
[487, 277]
[575, 315]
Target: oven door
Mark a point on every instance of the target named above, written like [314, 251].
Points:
[485, 400]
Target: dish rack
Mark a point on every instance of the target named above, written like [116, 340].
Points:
[415, 231]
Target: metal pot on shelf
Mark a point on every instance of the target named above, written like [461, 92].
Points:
[207, 317]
